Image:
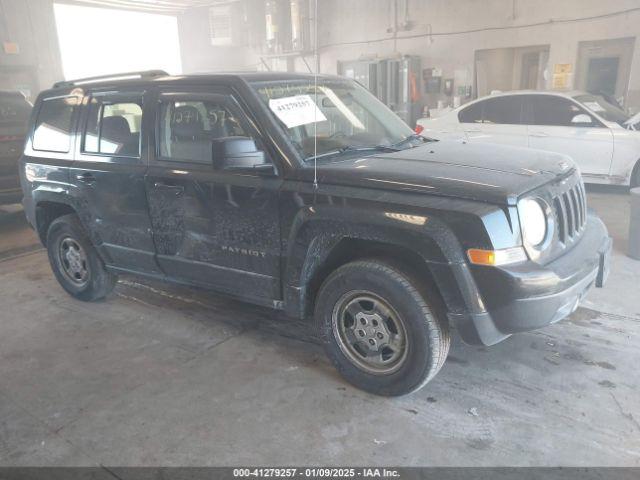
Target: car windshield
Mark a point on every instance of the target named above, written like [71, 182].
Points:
[334, 117]
[598, 105]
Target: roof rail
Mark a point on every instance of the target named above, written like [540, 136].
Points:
[145, 74]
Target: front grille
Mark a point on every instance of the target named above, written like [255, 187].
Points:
[571, 212]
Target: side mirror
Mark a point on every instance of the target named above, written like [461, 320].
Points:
[582, 119]
[238, 153]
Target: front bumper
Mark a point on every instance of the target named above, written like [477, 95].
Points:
[529, 296]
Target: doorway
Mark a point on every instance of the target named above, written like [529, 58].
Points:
[504, 69]
[604, 67]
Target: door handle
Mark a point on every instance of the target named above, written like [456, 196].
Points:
[176, 189]
[538, 134]
[86, 177]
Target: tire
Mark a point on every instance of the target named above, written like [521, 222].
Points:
[374, 290]
[75, 262]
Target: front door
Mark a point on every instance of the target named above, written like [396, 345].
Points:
[554, 127]
[214, 227]
[108, 174]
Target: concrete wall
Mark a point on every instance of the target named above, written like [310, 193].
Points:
[445, 33]
[31, 25]
[516, 23]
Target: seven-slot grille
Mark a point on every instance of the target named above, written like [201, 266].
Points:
[571, 212]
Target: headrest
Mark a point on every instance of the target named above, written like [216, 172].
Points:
[116, 129]
[186, 122]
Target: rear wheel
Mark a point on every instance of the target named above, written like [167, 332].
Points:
[75, 262]
[379, 329]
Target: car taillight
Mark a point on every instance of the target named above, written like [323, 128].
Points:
[9, 138]
[419, 129]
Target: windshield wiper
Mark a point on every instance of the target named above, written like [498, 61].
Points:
[354, 148]
[413, 136]
[382, 148]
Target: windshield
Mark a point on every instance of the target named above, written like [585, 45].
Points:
[338, 117]
[597, 104]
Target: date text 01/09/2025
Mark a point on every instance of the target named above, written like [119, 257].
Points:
[316, 472]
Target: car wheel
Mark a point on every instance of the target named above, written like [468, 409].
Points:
[379, 329]
[75, 262]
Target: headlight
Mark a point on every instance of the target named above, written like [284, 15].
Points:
[533, 221]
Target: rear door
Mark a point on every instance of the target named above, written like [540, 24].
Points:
[552, 128]
[495, 120]
[218, 228]
[108, 175]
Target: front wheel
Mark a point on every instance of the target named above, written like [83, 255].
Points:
[75, 262]
[378, 328]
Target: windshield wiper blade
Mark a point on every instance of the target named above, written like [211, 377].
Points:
[353, 148]
[384, 148]
[413, 136]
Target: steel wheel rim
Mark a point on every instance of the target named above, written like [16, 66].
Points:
[370, 332]
[73, 261]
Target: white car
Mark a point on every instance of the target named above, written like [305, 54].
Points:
[600, 137]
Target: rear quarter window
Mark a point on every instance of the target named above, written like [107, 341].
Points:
[54, 125]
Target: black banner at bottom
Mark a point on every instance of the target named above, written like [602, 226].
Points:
[346, 473]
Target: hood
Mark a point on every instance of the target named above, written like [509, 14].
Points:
[476, 171]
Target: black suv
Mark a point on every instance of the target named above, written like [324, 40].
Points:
[14, 120]
[308, 195]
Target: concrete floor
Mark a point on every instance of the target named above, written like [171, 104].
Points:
[165, 375]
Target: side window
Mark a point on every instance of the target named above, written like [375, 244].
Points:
[188, 127]
[54, 125]
[113, 126]
[555, 111]
[503, 110]
[471, 114]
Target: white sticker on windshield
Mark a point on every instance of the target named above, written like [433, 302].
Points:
[594, 106]
[296, 111]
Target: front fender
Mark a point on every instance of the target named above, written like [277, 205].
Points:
[317, 231]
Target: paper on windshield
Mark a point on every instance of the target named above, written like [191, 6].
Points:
[296, 111]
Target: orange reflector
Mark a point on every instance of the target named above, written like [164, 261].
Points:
[482, 257]
[504, 256]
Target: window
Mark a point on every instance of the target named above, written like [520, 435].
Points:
[555, 111]
[220, 25]
[503, 110]
[113, 127]
[188, 128]
[471, 114]
[54, 124]
[599, 105]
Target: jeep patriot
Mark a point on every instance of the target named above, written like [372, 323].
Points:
[308, 195]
